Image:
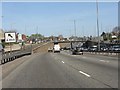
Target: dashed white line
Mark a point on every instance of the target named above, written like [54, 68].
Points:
[104, 61]
[63, 62]
[83, 57]
[74, 55]
[84, 73]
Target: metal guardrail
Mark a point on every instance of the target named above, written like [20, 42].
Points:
[104, 52]
[10, 56]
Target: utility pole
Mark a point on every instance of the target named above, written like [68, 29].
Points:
[2, 26]
[98, 26]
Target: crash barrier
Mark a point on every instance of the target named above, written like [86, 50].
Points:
[104, 52]
[12, 55]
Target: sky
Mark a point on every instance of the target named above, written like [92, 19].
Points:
[55, 18]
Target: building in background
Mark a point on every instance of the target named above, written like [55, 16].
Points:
[21, 38]
[1, 34]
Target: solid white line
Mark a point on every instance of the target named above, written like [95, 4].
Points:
[63, 62]
[85, 74]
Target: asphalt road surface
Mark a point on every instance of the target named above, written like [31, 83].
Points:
[62, 70]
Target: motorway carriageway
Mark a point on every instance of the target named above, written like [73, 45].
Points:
[62, 70]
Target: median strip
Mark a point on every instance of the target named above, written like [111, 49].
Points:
[40, 46]
[84, 74]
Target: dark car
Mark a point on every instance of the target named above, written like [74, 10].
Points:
[76, 51]
[66, 48]
[50, 49]
[115, 48]
[93, 48]
[84, 49]
[104, 48]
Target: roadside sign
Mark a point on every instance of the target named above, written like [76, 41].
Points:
[10, 37]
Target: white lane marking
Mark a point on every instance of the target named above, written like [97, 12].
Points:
[63, 62]
[84, 74]
[83, 57]
[74, 55]
[104, 61]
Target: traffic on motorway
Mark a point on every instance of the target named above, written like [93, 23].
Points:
[78, 48]
[59, 68]
[51, 44]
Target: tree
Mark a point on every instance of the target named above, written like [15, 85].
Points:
[109, 36]
[90, 37]
[119, 36]
[104, 35]
[37, 36]
[116, 29]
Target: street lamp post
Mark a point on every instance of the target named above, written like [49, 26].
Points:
[75, 27]
[98, 26]
[2, 26]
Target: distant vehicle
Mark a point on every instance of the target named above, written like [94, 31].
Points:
[115, 48]
[65, 48]
[104, 48]
[56, 47]
[84, 48]
[76, 51]
[62, 48]
[50, 49]
[93, 48]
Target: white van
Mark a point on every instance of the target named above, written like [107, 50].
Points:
[56, 47]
